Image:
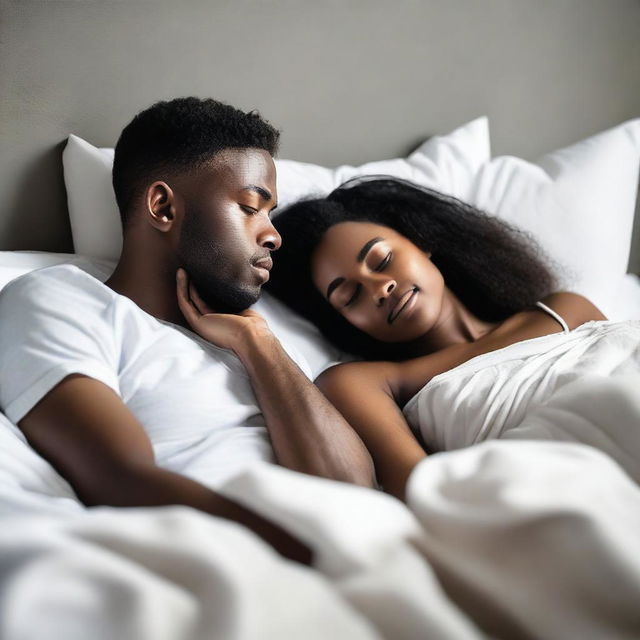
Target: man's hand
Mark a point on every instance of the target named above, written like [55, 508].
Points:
[306, 431]
[226, 330]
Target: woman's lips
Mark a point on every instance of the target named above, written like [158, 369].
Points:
[405, 303]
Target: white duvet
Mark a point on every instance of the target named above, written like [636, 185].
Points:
[583, 386]
[504, 540]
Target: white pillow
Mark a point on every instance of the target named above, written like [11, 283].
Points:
[447, 163]
[93, 213]
[579, 203]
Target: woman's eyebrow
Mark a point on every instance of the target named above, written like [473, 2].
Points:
[367, 247]
[362, 254]
[334, 285]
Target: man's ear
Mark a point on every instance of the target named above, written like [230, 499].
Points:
[160, 206]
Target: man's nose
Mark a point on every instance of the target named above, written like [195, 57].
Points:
[382, 289]
[268, 237]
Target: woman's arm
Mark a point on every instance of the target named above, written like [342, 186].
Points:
[363, 395]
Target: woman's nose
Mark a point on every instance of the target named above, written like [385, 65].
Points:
[383, 289]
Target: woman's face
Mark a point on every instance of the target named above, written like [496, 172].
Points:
[378, 280]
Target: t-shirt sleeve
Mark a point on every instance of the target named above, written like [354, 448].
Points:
[53, 323]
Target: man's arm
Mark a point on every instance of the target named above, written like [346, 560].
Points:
[307, 432]
[85, 430]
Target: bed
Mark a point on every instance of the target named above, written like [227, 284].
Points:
[505, 539]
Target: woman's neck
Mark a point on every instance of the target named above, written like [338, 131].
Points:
[455, 325]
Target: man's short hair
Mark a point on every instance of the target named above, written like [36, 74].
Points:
[178, 136]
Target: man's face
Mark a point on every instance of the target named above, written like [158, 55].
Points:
[226, 236]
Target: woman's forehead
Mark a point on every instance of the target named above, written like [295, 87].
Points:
[352, 232]
[340, 246]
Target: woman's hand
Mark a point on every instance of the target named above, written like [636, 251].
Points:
[226, 330]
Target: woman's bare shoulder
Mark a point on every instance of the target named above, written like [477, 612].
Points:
[573, 307]
[401, 380]
[356, 372]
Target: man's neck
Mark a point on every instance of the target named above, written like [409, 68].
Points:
[148, 280]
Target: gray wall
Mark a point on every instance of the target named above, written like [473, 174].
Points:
[346, 81]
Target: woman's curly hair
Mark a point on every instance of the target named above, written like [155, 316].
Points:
[494, 269]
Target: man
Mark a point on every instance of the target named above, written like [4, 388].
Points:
[133, 389]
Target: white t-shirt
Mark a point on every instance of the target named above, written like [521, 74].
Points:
[194, 400]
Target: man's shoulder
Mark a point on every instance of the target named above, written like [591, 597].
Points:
[61, 291]
[53, 284]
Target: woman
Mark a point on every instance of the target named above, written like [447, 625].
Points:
[417, 284]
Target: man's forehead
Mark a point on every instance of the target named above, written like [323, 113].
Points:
[242, 163]
[231, 171]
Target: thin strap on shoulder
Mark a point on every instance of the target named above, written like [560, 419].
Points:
[555, 315]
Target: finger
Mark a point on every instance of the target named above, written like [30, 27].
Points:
[181, 286]
[193, 296]
[189, 311]
[197, 300]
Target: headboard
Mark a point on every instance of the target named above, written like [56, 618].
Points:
[345, 80]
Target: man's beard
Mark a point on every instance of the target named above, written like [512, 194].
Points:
[220, 295]
[205, 262]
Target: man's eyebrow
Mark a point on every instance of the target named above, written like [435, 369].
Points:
[262, 192]
[362, 254]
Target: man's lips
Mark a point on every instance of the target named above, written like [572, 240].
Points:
[263, 267]
[402, 303]
[264, 263]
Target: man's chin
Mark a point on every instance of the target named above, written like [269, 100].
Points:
[232, 301]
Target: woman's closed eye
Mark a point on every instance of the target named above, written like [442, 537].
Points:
[381, 266]
[247, 209]
[385, 262]
[354, 295]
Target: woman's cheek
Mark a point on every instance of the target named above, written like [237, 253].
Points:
[361, 321]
